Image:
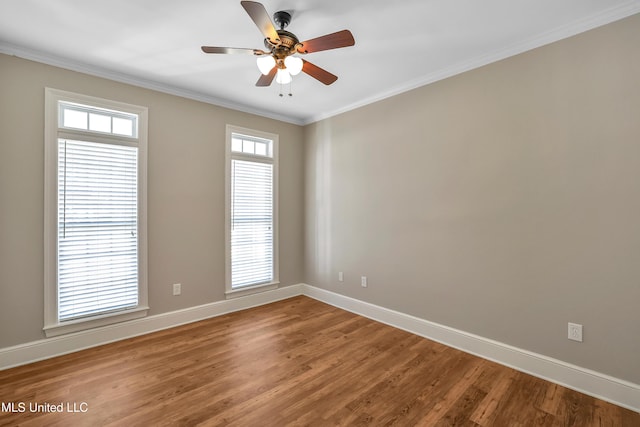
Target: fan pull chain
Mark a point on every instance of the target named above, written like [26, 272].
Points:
[290, 91]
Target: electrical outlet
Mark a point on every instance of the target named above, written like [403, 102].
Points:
[575, 332]
[340, 276]
[363, 281]
[177, 289]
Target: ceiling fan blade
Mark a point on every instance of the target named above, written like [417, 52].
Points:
[266, 80]
[318, 73]
[234, 50]
[261, 18]
[336, 40]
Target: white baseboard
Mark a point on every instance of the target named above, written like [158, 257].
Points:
[602, 386]
[596, 384]
[64, 344]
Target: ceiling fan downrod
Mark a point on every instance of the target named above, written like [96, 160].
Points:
[282, 19]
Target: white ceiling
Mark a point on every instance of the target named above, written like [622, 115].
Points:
[400, 44]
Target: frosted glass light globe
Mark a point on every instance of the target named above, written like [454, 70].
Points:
[266, 64]
[283, 77]
[293, 64]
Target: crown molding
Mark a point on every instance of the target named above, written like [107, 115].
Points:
[605, 17]
[67, 64]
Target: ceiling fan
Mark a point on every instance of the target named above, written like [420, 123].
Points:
[278, 61]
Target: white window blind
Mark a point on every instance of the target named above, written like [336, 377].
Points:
[97, 228]
[95, 200]
[252, 248]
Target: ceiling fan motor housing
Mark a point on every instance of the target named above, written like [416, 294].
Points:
[287, 46]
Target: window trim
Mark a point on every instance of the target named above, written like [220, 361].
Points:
[229, 155]
[52, 131]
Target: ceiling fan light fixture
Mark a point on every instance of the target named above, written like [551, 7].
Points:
[266, 63]
[293, 64]
[278, 60]
[283, 77]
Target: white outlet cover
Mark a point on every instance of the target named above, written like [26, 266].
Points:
[575, 332]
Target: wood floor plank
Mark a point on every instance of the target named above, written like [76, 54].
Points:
[455, 392]
[486, 411]
[295, 362]
[460, 412]
[551, 398]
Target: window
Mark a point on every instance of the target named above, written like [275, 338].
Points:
[95, 212]
[251, 219]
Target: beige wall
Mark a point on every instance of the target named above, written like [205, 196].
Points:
[185, 193]
[504, 201]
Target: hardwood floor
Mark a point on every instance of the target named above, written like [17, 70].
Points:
[295, 362]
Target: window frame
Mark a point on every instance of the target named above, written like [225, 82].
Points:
[52, 132]
[229, 156]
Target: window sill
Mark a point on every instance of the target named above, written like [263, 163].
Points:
[249, 290]
[78, 325]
